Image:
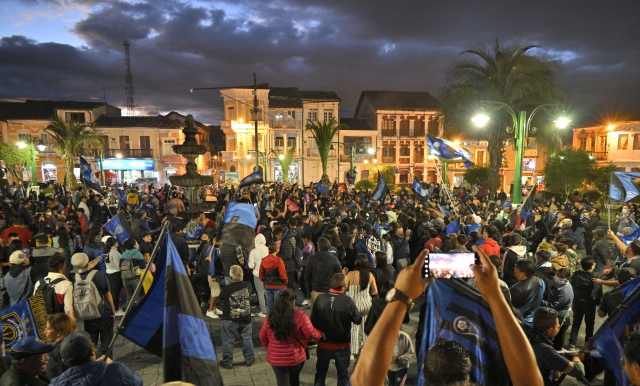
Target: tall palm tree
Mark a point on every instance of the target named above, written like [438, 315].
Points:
[70, 139]
[285, 162]
[323, 133]
[511, 74]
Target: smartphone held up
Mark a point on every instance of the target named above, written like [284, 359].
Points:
[449, 265]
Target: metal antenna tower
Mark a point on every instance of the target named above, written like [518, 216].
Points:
[128, 79]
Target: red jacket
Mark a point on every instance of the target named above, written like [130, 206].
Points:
[490, 247]
[23, 234]
[267, 267]
[290, 352]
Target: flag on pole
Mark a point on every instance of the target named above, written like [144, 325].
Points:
[239, 224]
[168, 323]
[322, 188]
[119, 227]
[88, 177]
[28, 317]
[452, 227]
[457, 312]
[122, 199]
[621, 187]
[443, 210]
[631, 236]
[448, 151]
[419, 190]
[378, 194]
[526, 210]
[253, 178]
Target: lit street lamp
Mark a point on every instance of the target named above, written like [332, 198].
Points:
[22, 144]
[521, 128]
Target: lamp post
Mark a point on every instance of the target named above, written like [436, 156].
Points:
[22, 144]
[521, 129]
[265, 160]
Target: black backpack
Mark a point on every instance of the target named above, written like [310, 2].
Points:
[46, 288]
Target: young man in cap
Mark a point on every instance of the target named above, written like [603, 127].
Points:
[28, 364]
[101, 327]
[18, 281]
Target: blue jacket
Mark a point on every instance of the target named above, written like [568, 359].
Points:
[98, 374]
[212, 264]
[560, 299]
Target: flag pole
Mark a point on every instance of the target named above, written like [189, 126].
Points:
[444, 185]
[138, 288]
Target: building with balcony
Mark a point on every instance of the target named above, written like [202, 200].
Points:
[401, 120]
[21, 120]
[282, 117]
[616, 142]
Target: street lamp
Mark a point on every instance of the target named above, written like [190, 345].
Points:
[22, 144]
[521, 128]
[352, 155]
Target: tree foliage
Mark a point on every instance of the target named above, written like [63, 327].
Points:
[387, 174]
[600, 177]
[70, 139]
[568, 170]
[477, 173]
[323, 133]
[365, 184]
[285, 162]
[15, 159]
[511, 74]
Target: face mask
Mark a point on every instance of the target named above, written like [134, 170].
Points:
[554, 253]
[102, 204]
[624, 211]
[48, 214]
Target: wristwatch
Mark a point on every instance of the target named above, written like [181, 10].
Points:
[395, 294]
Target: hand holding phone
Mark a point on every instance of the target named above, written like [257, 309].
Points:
[449, 265]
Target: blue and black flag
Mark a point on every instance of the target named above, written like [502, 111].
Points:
[119, 227]
[419, 190]
[239, 224]
[622, 188]
[168, 322]
[457, 312]
[381, 188]
[88, 177]
[526, 210]
[253, 178]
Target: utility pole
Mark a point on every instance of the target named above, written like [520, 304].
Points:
[255, 111]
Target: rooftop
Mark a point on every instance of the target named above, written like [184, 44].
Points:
[356, 124]
[399, 100]
[151, 121]
[41, 110]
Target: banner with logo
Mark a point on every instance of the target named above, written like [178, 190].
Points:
[25, 318]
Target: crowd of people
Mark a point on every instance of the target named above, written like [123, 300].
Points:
[331, 270]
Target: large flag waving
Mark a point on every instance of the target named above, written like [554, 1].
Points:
[381, 187]
[621, 187]
[447, 151]
[253, 178]
[527, 206]
[419, 190]
[168, 322]
[457, 312]
[25, 318]
[88, 177]
[239, 224]
[119, 227]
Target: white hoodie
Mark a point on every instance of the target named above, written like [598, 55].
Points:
[257, 254]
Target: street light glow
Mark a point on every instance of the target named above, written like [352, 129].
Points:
[457, 141]
[480, 120]
[366, 162]
[281, 157]
[370, 150]
[562, 123]
[118, 155]
[610, 127]
[22, 144]
[248, 156]
[375, 161]
[41, 146]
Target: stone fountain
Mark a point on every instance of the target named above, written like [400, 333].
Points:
[192, 181]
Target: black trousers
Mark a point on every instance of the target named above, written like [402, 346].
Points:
[115, 285]
[100, 329]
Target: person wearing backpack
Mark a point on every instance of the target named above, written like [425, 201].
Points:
[130, 262]
[92, 300]
[56, 289]
[114, 276]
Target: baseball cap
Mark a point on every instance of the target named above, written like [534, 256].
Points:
[79, 261]
[105, 238]
[506, 205]
[29, 346]
[76, 348]
[17, 257]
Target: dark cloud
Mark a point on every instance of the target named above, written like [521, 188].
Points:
[344, 46]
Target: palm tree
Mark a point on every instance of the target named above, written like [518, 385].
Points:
[285, 159]
[70, 139]
[513, 75]
[323, 133]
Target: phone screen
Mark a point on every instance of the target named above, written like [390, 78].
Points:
[449, 265]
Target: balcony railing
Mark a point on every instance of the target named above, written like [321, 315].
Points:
[418, 160]
[388, 159]
[128, 153]
[288, 124]
[389, 133]
[599, 155]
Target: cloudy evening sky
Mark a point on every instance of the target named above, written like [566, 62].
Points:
[72, 49]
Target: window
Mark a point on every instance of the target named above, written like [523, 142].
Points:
[623, 141]
[418, 154]
[418, 128]
[405, 151]
[291, 114]
[168, 146]
[434, 126]
[602, 142]
[145, 142]
[636, 142]
[388, 127]
[279, 142]
[291, 142]
[231, 113]
[24, 138]
[480, 157]
[328, 115]
[404, 178]
[583, 143]
[231, 144]
[312, 115]
[278, 115]
[388, 154]
[74, 117]
[404, 128]
[124, 142]
[529, 164]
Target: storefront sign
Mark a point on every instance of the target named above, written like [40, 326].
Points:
[127, 164]
[231, 178]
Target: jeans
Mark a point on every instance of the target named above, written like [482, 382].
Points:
[260, 291]
[303, 284]
[271, 297]
[130, 287]
[115, 284]
[341, 358]
[586, 310]
[230, 330]
[100, 329]
[288, 375]
[578, 236]
[293, 284]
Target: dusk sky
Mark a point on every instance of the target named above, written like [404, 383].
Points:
[72, 49]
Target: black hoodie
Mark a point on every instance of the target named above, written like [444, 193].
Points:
[545, 271]
[320, 270]
[583, 287]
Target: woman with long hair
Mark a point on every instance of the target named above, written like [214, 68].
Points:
[284, 334]
[362, 285]
[58, 327]
[68, 249]
[112, 260]
[93, 244]
[382, 272]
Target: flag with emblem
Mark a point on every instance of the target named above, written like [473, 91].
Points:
[448, 151]
[119, 227]
[25, 318]
[239, 224]
[194, 230]
[455, 311]
[88, 177]
[421, 192]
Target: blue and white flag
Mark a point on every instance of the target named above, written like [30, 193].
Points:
[621, 187]
[253, 178]
[635, 235]
[27, 317]
[443, 210]
[322, 188]
[419, 190]
[378, 194]
[122, 198]
[88, 177]
[119, 227]
[447, 151]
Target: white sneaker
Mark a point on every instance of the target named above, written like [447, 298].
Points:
[218, 312]
[261, 315]
[212, 315]
[306, 302]
[119, 313]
